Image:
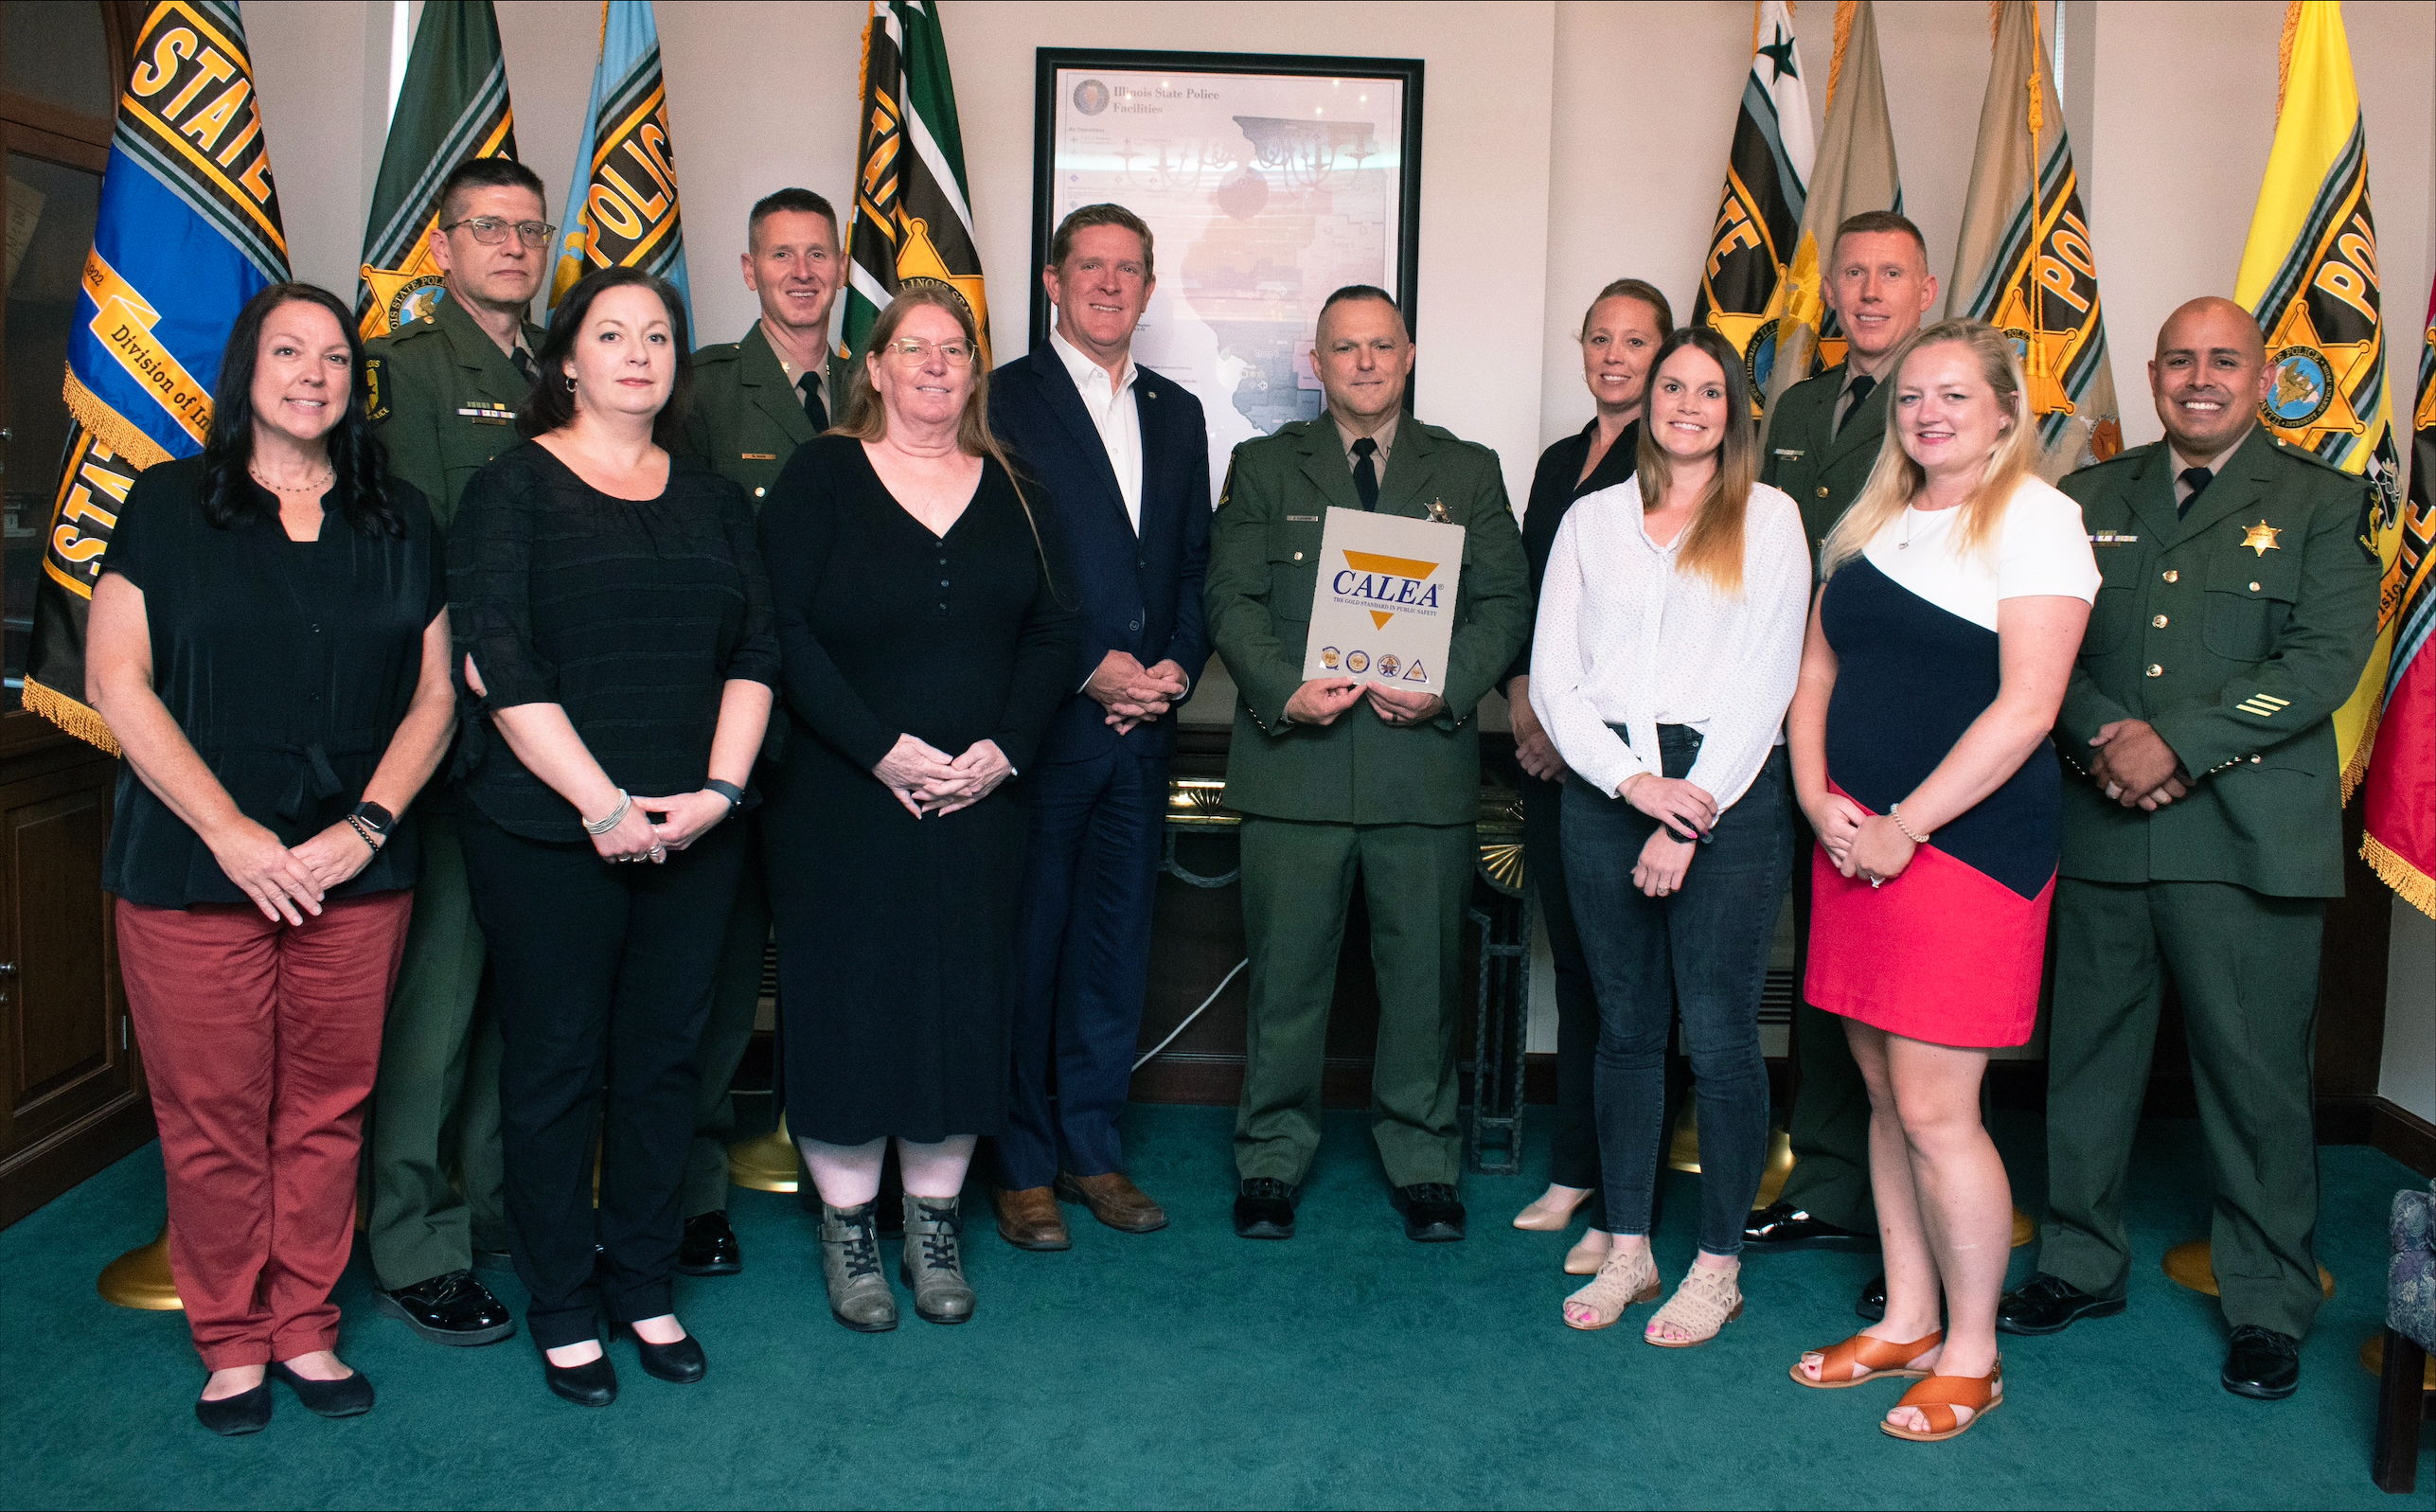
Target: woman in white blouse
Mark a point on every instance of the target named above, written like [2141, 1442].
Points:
[1668, 639]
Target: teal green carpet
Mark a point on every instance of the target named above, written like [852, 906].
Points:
[1189, 1368]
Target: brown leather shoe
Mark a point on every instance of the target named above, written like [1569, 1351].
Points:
[1114, 1201]
[1029, 1218]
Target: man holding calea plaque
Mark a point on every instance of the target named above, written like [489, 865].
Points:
[1357, 773]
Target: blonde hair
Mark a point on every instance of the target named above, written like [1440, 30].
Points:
[1713, 542]
[1897, 480]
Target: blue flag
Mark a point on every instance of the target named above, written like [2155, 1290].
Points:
[622, 196]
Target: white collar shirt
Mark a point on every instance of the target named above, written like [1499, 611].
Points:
[1114, 415]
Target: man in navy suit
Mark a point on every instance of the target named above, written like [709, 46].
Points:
[1121, 455]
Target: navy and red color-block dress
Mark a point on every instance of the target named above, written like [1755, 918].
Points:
[1950, 951]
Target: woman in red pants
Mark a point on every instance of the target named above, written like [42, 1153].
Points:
[269, 643]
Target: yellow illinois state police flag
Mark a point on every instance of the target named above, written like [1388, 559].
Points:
[2308, 273]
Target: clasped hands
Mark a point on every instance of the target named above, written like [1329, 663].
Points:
[683, 818]
[1323, 700]
[2133, 765]
[928, 781]
[1685, 811]
[1870, 846]
[1133, 693]
[288, 882]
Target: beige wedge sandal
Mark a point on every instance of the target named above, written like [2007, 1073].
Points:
[1628, 1276]
[1707, 1300]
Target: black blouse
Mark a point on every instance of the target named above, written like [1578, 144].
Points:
[288, 665]
[1552, 491]
[632, 614]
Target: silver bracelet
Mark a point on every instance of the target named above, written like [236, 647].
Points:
[1894, 811]
[616, 816]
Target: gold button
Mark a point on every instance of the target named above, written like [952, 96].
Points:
[1823, 490]
[2159, 622]
[2155, 671]
[1298, 556]
[2173, 576]
[2253, 760]
[758, 492]
[2254, 587]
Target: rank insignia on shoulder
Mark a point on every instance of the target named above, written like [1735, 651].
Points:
[2109, 538]
[2260, 538]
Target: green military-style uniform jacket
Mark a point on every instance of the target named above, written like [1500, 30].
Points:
[444, 397]
[1264, 564]
[747, 417]
[2235, 632]
[1820, 466]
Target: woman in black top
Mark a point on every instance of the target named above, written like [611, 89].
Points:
[1621, 333]
[269, 643]
[614, 622]
[927, 642]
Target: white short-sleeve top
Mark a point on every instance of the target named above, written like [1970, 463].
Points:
[2041, 548]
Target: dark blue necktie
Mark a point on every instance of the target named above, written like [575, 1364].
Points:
[2197, 480]
[1365, 473]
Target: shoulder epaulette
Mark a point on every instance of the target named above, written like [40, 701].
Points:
[2302, 453]
[2128, 455]
[725, 351]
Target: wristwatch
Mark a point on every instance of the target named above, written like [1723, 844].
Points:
[377, 819]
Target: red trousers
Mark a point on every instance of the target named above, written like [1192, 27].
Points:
[261, 1042]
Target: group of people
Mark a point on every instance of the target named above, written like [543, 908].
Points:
[495, 696]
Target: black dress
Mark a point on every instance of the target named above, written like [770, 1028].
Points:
[896, 936]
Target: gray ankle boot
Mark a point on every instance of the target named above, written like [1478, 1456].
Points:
[859, 1294]
[933, 1264]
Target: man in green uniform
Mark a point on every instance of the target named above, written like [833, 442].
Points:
[1335, 777]
[2204, 835]
[444, 391]
[755, 402]
[1822, 439]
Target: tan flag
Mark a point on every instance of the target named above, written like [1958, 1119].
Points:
[2024, 262]
[1855, 171]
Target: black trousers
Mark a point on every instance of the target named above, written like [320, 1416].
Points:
[1573, 1149]
[604, 974]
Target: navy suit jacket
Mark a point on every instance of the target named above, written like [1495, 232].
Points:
[1139, 593]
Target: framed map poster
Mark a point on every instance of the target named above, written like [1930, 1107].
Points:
[1268, 179]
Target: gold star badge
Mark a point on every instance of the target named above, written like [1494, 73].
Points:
[2261, 538]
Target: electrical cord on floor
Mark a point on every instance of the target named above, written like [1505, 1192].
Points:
[1195, 1014]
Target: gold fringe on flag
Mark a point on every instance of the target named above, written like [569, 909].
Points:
[1845, 10]
[2284, 55]
[110, 428]
[2414, 887]
[82, 721]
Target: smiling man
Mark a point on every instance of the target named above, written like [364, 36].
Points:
[1822, 439]
[2239, 604]
[1337, 778]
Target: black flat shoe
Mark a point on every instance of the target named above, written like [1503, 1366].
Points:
[452, 1308]
[1783, 1226]
[1264, 1208]
[248, 1412]
[1432, 1213]
[2261, 1364]
[594, 1383]
[682, 1362]
[2048, 1304]
[711, 1247]
[347, 1396]
[1873, 1299]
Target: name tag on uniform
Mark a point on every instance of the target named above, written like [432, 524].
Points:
[757, 456]
[1303, 519]
[1790, 453]
[2109, 538]
[483, 412]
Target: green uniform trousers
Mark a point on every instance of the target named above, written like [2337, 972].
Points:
[1829, 1125]
[2246, 968]
[431, 1155]
[1298, 880]
[734, 997]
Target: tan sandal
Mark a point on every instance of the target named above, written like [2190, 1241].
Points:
[1589, 1253]
[1862, 1358]
[1707, 1299]
[1629, 1276]
[1938, 1397]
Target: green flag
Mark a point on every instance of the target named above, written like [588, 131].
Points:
[453, 106]
[912, 219]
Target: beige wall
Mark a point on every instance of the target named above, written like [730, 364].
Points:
[1564, 145]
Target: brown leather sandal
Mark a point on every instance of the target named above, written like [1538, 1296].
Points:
[1937, 1396]
[1862, 1359]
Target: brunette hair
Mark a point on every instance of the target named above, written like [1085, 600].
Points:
[359, 467]
[1867, 221]
[1895, 480]
[802, 201]
[1061, 245]
[485, 173]
[551, 405]
[1633, 289]
[1713, 542]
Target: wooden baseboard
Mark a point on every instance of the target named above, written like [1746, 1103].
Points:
[71, 1154]
[2404, 1136]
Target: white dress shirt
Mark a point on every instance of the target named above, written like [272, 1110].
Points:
[1625, 640]
[1112, 411]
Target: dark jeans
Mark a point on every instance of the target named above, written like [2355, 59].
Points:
[1702, 950]
[1573, 1149]
[604, 974]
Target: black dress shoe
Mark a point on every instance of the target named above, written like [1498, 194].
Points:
[349, 1396]
[2049, 1304]
[594, 1383]
[1432, 1213]
[711, 1247]
[450, 1309]
[1873, 1299]
[1264, 1208]
[682, 1362]
[248, 1412]
[2262, 1362]
[1783, 1226]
